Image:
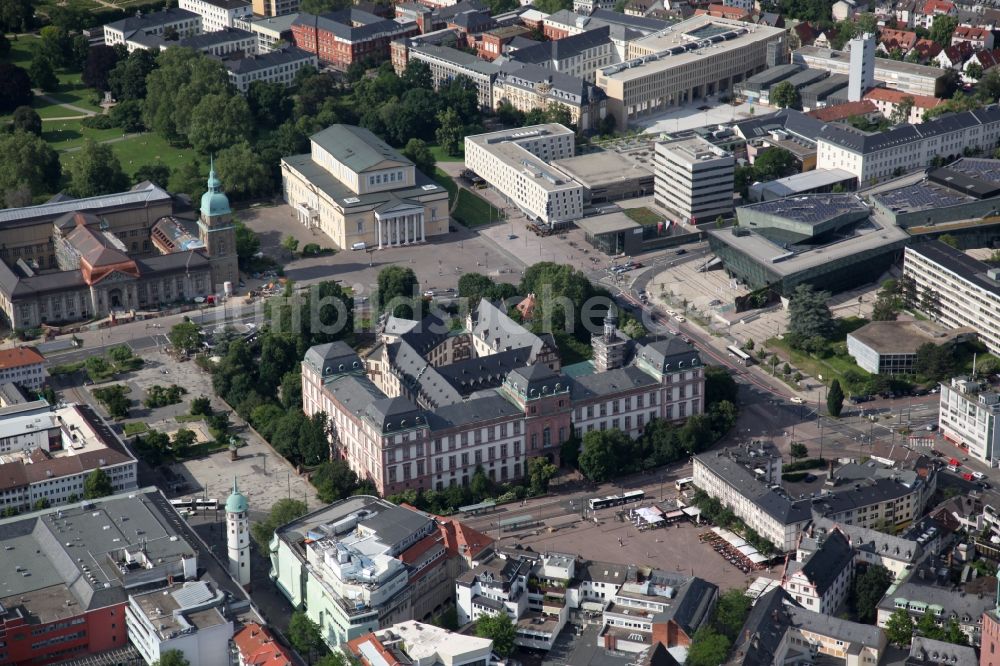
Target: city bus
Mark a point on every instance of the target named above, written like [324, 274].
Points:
[202, 503]
[683, 484]
[740, 355]
[598, 503]
[180, 504]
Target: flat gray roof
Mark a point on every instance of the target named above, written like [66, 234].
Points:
[609, 223]
[604, 167]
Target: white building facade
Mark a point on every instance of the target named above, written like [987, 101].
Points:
[968, 417]
[218, 14]
[694, 179]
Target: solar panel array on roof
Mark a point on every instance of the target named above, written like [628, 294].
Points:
[920, 196]
[811, 209]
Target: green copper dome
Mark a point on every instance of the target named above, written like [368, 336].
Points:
[237, 502]
[214, 202]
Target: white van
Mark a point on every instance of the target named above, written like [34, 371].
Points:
[360, 246]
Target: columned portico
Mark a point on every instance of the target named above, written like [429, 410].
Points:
[400, 227]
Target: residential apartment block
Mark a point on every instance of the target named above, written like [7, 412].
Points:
[819, 575]
[694, 179]
[218, 14]
[873, 156]
[23, 366]
[515, 162]
[47, 453]
[413, 416]
[279, 66]
[361, 192]
[968, 417]
[969, 289]
[350, 35]
[696, 58]
[154, 24]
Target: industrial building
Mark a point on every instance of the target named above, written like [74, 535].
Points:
[690, 60]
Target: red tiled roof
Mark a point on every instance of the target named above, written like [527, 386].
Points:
[844, 111]
[904, 39]
[988, 59]
[355, 648]
[896, 96]
[927, 48]
[19, 357]
[970, 32]
[938, 7]
[257, 647]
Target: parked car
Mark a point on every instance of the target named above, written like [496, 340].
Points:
[797, 400]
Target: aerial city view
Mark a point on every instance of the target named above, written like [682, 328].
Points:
[499, 333]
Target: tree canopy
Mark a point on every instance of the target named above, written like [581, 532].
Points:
[499, 628]
[809, 317]
[97, 485]
[398, 290]
[95, 170]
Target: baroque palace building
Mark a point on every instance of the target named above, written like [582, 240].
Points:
[427, 406]
[78, 259]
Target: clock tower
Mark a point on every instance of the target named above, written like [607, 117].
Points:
[215, 227]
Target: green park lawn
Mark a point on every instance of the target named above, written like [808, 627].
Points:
[65, 134]
[145, 149]
[473, 211]
[442, 156]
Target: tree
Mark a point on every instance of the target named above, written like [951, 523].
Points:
[16, 86]
[4, 46]
[16, 15]
[398, 291]
[43, 74]
[172, 658]
[185, 336]
[450, 132]
[323, 6]
[201, 406]
[26, 119]
[906, 288]
[269, 103]
[708, 648]
[974, 71]
[480, 484]
[182, 81]
[101, 59]
[416, 151]
[189, 179]
[499, 628]
[304, 634]
[127, 115]
[599, 459]
[988, 86]
[183, 438]
[799, 450]
[933, 361]
[71, 18]
[719, 385]
[949, 240]
[97, 485]
[290, 243]
[835, 398]
[282, 512]
[334, 480]
[930, 302]
[540, 472]
[785, 96]
[219, 121]
[731, 612]
[242, 172]
[772, 164]
[869, 588]
[127, 80]
[942, 27]
[901, 112]
[899, 628]
[56, 45]
[154, 173]
[247, 243]
[95, 170]
[809, 316]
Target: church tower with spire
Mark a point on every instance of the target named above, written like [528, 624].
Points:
[238, 536]
[215, 227]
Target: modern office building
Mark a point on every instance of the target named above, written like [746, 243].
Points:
[890, 347]
[874, 156]
[419, 644]
[218, 14]
[22, 365]
[515, 162]
[357, 565]
[269, 8]
[278, 66]
[47, 453]
[694, 180]
[154, 24]
[693, 59]
[827, 240]
[969, 289]
[184, 617]
[357, 190]
[67, 575]
[343, 37]
[906, 77]
[861, 74]
[968, 418]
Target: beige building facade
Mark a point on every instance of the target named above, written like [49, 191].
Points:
[361, 192]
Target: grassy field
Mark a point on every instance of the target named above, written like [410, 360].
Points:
[442, 156]
[643, 216]
[65, 134]
[145, 149]
[445, 181]
[473, 211]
